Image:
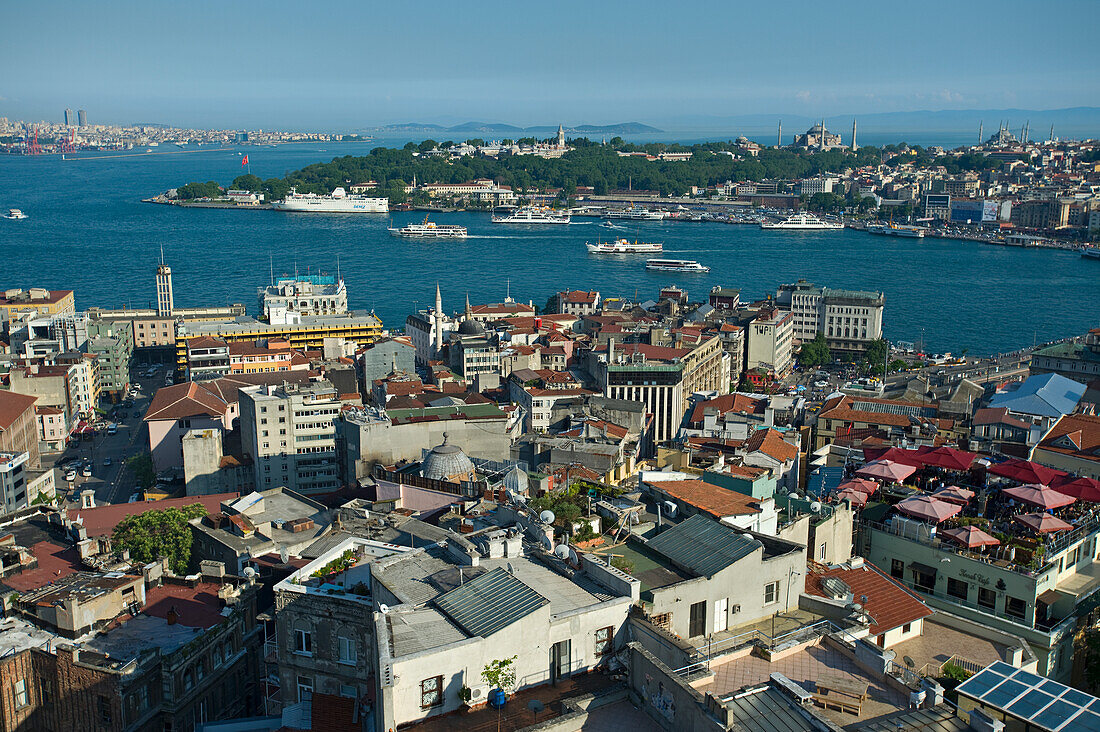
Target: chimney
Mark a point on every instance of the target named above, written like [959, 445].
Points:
[610, 351]
[981, 721]
[172, 617]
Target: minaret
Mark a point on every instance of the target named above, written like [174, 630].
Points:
[1027, 131]
[821, 140]
[981, 126]
[561, 137]
[779, 135]
[1052, 133]
[854, 146]
[165, 306]
[437, 320]
[468, 313]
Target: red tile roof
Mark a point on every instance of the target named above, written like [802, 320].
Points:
[725, 403]
[771, 443]
[101, 521]
[711, 499]
[12, 407]
[1076, 435]
[889, 604]
[189, 399]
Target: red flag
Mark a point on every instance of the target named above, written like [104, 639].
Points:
[244, 161]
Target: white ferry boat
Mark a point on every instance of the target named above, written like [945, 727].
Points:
[912, 232]
[14, 213]
[624, 246]
[638, 214]
[675, 265]
[532, 215]
[336, 202]
[430, 230]
[804, 221]
[1091, 252]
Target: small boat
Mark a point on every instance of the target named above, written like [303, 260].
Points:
[1091, 253]
[14, 213]
[608, 225]
[624, 246]
[892, 229]
[430, 230]
[675, 265]
[532, 215]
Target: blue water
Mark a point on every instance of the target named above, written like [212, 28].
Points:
[88, 231]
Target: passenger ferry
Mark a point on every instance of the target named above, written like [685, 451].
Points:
[14, 213]
[430, 230]
[803, 221]
[624, 246]
[532, 215]
[675, 265]
[912, 232]
[638, 214]
[336, 202]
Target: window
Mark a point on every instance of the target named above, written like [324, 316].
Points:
[305, 688]
[348, 652]
[1015, 607]
[431, 692]
[906, 628]
[22, 698]
[348, 691]
[924, 581]
[957, 588]
[771, 593]
[188, 679]
[987, 598]
[303, 642]
[821, 551]
[603, 641]
[103, 708]
[45, 690]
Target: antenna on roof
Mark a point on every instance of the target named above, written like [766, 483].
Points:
[162, 250]
[271, 266]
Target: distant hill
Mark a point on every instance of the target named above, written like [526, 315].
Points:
[500, 129]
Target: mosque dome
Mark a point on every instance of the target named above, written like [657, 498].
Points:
[471, 327]
[447, 462]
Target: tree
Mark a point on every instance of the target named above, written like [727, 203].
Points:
[141, 466]
[154, 534]
[247, 182]
[815, 353]
[209, 189]
[500, 674]
[876, 353]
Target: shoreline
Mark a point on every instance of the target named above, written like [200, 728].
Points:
[858, 225]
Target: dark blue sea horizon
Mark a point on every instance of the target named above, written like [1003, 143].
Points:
[89, 231]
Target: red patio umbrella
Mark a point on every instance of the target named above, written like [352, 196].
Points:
[1025, 471]
[1044, 523]
[894, 454]
[970, 536]
[954, 494]
[928, 508]
[1039, 495]
[1085, 489]
[858, 498]
[947, 457]
[867, 487]
[886, 470]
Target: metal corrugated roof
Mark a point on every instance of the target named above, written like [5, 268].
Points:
[767, 710]
[703, 546]
[489, 603]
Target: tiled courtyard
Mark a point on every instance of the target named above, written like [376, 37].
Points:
[622, 716]
[805, 668]
[937, 643]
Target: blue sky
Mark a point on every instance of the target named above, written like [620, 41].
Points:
[343, 65]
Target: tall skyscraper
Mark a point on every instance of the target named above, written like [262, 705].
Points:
[70, 117]
[165, 305]
[82, 118]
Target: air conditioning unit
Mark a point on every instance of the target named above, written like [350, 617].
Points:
[735, 608]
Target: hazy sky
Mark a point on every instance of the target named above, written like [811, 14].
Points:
[343, 65]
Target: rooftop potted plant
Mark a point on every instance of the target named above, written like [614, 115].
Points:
[500, 676]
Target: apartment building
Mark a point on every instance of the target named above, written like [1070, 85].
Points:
[849, 319]
[19, 426]
[663, 378]
[16, 302]
[768, 345]
[292, 298]
[290, 432]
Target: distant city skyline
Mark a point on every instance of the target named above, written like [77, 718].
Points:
[363, 66]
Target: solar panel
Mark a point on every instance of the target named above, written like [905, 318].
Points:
[490, 602]
[703, 546]
[1042, 702]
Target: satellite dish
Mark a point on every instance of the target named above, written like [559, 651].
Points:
[547, 517]
[815, 506]
[249, 572]
[383, 608]
[795, 497]
[546, 542]
[562, 551]
[284, 556]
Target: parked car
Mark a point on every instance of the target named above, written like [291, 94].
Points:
[107, 462]
[86, 471]
[70, 476]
